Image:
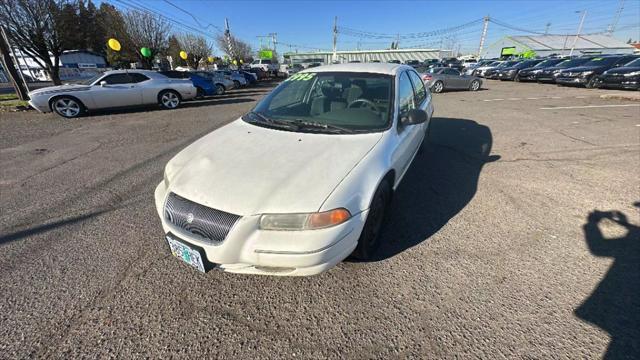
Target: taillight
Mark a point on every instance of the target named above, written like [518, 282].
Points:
[426, 77]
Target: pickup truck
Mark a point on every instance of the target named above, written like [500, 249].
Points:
[266, 65]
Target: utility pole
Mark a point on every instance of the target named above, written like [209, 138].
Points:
[227, 35]
[612, 27]
[274, 41]
[575, 40]
[16, 76]
[546, 28]
[397, 41]
[483, 37]
[335, 39]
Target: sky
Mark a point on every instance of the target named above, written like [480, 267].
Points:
[307, 25]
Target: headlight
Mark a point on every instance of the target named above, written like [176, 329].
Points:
[586, 73]
[556, 71]
[635, 73]
[309, 221]
[536, 71]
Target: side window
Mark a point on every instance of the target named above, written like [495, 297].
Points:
[137, 77]
[117, 79]
[268, 62]
[405, 94]
[418, 85]
[451, 72]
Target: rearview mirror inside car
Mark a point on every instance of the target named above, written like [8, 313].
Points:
[414, 117]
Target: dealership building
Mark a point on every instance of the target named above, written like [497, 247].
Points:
[74, 64]
[545, 45]
[326, 57]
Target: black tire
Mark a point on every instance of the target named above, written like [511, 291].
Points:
[67, 106]
[517, 78]
[437, 87]
[369, 242]
[220, 89]
[169, 99]
[591, 83]
[236, 84]
[474, 85]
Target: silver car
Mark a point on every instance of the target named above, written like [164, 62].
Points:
[441, 78]
[113, 89]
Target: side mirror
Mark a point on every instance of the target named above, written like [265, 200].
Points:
[103, 83]
[414, 117]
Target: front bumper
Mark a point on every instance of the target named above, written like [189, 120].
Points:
[572, 80]
[632, 83]
[40, 105]
[249, 250]
[506, 76]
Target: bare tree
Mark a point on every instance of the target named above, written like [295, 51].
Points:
[36, 28]
[240, 49]
[197, 48]
[147, 30]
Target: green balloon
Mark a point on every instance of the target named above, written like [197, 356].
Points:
[145, 51]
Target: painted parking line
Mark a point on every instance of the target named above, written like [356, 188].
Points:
[538, 98]
[588, 106]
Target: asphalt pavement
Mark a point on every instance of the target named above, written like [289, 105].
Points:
[514, 235]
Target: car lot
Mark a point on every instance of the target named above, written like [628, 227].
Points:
[484, 255]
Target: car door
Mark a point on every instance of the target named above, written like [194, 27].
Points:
[408, 137]
[118, 90]
[454, 80]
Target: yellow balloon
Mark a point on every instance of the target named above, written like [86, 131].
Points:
[183, 55]
[210, 59]
[241, 61]
[114, 44]
[235, 62]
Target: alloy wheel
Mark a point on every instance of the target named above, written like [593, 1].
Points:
[170, 100]
[67, 107]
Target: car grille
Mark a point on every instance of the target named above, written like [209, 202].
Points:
[211, 224]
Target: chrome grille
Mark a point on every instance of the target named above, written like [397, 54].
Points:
[211, 224]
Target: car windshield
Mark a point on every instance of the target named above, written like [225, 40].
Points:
[91, 80]
[634, 63]
[602, 61]
[547, 63]
[329, 102]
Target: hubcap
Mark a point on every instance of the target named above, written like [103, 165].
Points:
[475, 85]
[67, 107]
[170, 100]
[438, 87]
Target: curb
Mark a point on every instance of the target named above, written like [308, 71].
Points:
[632, 97]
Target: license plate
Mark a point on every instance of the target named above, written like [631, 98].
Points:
[186, 254]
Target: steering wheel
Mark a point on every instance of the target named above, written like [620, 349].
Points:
[372, 105]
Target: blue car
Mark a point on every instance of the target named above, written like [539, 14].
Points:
[251, 79]
[204, 86]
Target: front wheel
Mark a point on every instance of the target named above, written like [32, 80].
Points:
[169, 99]
[591, 83]
[438, 87]
[219, 89]
[236, 83]
[67, 106]
[369, 240]
[475, 85]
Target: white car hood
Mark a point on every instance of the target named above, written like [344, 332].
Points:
[60, 88]
[246, 169]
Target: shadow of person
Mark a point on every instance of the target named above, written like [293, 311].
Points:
[614, 305]
[440, 182]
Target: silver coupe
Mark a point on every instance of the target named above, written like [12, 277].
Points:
[113, 89]
[439, 79]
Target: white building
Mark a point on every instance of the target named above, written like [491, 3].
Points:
[326, 57]
[74, 64]
[545, 45]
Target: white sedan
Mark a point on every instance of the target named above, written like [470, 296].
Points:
[303, 180]
[113, 89]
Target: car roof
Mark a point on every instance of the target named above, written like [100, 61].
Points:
[375, 68]
[149, 73]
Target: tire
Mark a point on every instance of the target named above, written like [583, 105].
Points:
[169, 99]
[236, 84]
[475, 85]
[591, 83]
[67, 106]
[437, 87]
[369, 242]
[199, 93]
[220, 89]
[517, 78]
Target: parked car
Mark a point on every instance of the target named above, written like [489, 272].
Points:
[511, 72]
[440, 79]
[204, 86]
[452, 62]
[587, 74]
[113, 89]
[547, 75]
[413, 63]
[394, 61]
[238, 79]
[530, 73]
[261, 74]
[266, 65]
[251, 78]
[480, 70]
[295, 68]
[624, 77]
[218, 80]
[311, 175]
[492, 73]
[227, 78]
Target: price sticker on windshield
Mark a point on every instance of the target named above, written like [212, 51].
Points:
[301, 77]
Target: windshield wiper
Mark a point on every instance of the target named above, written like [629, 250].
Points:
[322, 126]
[272, 122]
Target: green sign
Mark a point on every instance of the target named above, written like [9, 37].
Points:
[506, 51]
[529, 54]
[265, 54]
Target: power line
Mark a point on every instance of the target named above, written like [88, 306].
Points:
[194, 17]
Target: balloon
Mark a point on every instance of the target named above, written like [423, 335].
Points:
[241, 61]
[183, 55]
[114, 44]
[210, 59]
[235, 62]
[145, 51]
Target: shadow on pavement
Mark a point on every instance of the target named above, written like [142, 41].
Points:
[440, 182]
[614, 305]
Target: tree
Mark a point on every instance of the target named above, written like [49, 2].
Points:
[147, 30]
[197, 48]
[112, 21]
[241, 49]
[35, 28]
[173, 50]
